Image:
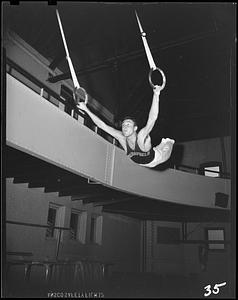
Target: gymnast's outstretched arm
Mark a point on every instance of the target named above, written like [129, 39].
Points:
[110, 130]
[153, 114]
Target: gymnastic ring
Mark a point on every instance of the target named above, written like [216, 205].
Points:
[78, 99]
[163, 76]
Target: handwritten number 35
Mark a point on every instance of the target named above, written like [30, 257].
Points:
[215, 289]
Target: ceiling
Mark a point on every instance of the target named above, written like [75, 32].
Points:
[193, 43]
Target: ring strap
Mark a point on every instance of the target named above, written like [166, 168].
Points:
[150, 57]
[71, 67]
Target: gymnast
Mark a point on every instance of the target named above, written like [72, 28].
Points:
[138, 145]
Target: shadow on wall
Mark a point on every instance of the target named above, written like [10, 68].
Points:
[175, 158]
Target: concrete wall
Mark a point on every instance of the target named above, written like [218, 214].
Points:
[120, 235]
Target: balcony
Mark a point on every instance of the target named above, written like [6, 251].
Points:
[39, 128]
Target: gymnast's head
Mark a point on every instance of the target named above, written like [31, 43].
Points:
[128, 126]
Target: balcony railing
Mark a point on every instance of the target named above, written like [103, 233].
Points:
[47, 92]
[189, 169]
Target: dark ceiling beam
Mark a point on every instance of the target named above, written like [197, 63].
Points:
[113, 201]
[20, 180]
[19, 163]
[37, 168]
[24, 164]
[174, 217]
[37, 184]
[71, 177]
[71, 180]
[66, 182]
[33, 174]
[156, 207]
[10, 173]
[81, 190]
[14, 155]
[143, 215]
[52, 187]
[110, 193]
[123, 58]
[32, 183]
[88, 197]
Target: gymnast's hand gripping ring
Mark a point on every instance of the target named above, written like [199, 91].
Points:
[77, 97]
[163, 77]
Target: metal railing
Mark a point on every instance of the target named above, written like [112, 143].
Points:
[66, 102]
[40, 84]
[200, 171]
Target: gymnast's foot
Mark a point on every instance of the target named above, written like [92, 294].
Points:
[168, 140]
